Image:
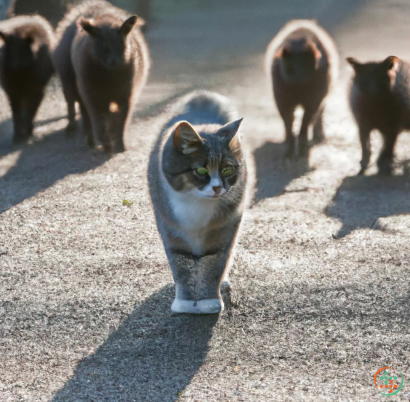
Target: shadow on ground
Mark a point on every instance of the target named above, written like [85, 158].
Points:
[342, 323]
[274, 172]
[6, 133]
[361, 200]
[152, 356]
[42, 163]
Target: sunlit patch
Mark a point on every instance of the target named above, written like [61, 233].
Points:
[8, 162]
[114, 108]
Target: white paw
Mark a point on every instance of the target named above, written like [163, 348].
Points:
[206, 306]
[210, 306]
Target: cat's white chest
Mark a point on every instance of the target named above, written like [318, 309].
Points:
[193, 215]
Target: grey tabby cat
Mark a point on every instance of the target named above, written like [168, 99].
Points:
[197, 177]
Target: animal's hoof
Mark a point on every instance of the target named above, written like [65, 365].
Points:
[107, 148]
[118, 148]
[318, 140]
[90, 142]
[385, 169]
[20, 138]
[304, 150]
[70, 130]
[206, 306]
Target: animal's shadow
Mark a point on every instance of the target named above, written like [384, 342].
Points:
[274, 172]
[42, 163]
[361, 200]
[6, 134]
[152, 356]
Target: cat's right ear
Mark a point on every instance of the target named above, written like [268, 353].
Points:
[88, 26]
[186, 140]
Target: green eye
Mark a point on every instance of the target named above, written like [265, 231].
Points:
[227, 171]
[202, 171]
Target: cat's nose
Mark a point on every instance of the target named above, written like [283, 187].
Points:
[217, 189]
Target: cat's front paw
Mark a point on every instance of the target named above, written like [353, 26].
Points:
[210, 306]
[205, 306]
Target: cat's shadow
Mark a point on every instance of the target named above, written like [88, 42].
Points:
[152, 356]
[274, 172]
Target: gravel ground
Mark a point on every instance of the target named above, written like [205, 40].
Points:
[321, 274]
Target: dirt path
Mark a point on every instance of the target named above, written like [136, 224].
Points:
[321, 275]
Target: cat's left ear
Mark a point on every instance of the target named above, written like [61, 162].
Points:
[232, 133]
[186, 140]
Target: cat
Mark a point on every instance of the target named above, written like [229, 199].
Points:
[103, 62]
[25, 68]
[197, 175]
[302, 62]
[380, 99]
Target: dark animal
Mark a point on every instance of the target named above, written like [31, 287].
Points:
[302, 61]
[380, 99]
[25, 68]
[103, 63]
[51, 10]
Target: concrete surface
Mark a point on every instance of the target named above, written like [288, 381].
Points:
[321, 274]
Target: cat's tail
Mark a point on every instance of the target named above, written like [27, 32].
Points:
[204, 107]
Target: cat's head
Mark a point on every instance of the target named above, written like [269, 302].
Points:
[111, 39]
[205, 161]
[376, 78]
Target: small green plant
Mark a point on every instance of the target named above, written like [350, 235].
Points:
[127, 203]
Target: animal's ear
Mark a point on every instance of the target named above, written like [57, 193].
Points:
[89, 27]
[141, 22]
[127, 26]
[186, 140]
[353, 62]
[316, 52]
[3, 36]
[230, 129]
[232, 133]
[392, 63]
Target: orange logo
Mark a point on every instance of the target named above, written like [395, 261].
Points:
[388, 381]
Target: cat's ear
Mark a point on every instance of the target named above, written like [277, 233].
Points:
[230, 129]
[186, 139]
[232, 133]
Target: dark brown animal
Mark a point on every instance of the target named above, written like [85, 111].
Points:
[51, 10]
[302, 61]
[25, 68]
[380, 100]
[103, 62]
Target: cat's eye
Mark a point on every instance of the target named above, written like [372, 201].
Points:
[227, 171]
[202, 171]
